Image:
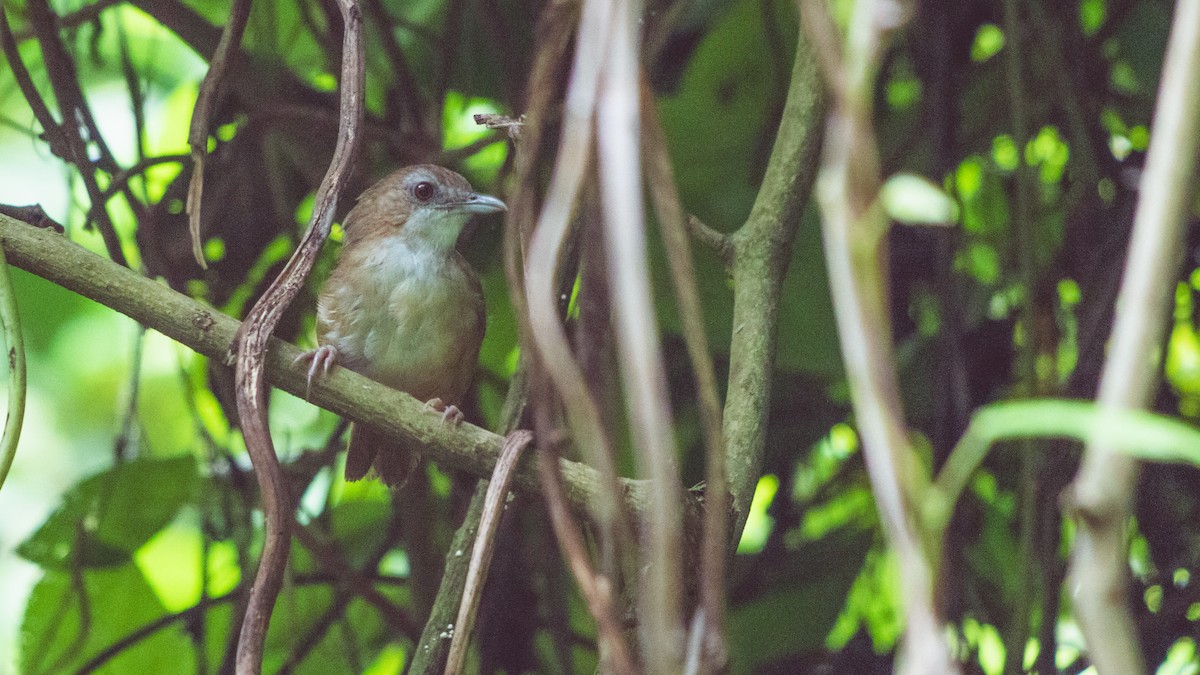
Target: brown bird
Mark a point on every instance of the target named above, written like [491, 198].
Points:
[402, 306]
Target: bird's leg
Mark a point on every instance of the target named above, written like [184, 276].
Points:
[450, 413]
[322, 360]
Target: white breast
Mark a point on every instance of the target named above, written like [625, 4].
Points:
[420, 301]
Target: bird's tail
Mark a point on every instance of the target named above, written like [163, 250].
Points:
[370, 448]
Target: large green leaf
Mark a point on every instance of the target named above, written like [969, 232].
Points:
[63, 630]
[103, 520]
[796, 615]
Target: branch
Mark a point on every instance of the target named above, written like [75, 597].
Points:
[434, 645]
[331, 561]
[544, 254]
[1101, 497]
[54, 135]
[202, 114]
[485, 542]
[254, 335]
[713, 240]
[639, 348]
[854, 230]
[664, 195]
[596, 589]
[67, 140]
[195, 613]
[85, 14]
[1016, 634]
[201, 328]
[762, 249]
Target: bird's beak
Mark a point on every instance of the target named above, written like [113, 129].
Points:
[477, 203]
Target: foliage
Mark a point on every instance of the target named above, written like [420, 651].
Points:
[131, 493]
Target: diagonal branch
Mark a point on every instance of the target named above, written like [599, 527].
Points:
[51, 256]
[78, 128]
[485, 543]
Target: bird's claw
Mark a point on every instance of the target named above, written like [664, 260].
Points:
[322, 361]
[450, 413]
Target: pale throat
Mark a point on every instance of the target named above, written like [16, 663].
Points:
[434, 231]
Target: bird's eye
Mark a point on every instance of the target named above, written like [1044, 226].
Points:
[423, 191]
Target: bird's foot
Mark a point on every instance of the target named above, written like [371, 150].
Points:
[321, 360]
[450, 413]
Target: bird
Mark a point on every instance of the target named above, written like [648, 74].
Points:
[402, 306]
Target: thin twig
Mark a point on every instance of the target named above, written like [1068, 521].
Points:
[596, 589]
[331, 561]
[64, 81]
[121, 180]
[251, 345]
[854, 231]
[85, 14]
[206, 104]
[639, 349]
[126, 443]
[1016, 634]
[55, 136]
[78, 128]
[485, 541]
[317, 630]
[191, 613]
[510, 126]
[555, 27]
[1101, 496]
[716, 241]
[434, 644]
[715, 547]
[411, 102]
[544, 254]
[555, 364]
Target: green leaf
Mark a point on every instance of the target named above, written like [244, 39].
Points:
[60, 633]
[795, 615]
[1138, 433]
[915, 200]
[726, 113]
[103, 520]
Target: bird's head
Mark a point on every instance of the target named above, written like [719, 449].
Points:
[427, 204]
